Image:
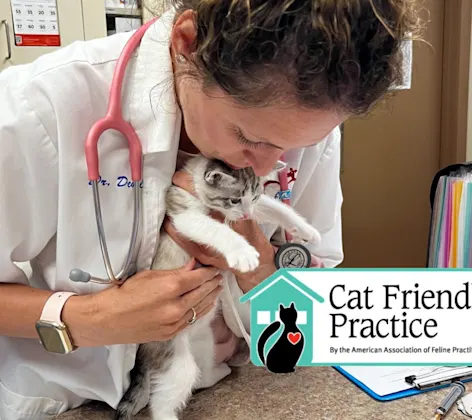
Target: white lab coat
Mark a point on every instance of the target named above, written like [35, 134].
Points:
[47, 210]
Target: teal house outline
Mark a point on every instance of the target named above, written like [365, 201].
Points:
[266, 297]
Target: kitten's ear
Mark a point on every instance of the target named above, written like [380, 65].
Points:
[215, 176]
[281, 307]
[279, 165]
[292, 305]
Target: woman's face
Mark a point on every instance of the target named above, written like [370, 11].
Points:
[242, 137]
[256, 137]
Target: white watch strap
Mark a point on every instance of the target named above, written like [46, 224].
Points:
[53, 307]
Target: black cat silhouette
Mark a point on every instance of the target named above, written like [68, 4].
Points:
[286, 351]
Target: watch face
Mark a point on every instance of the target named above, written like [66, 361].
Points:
[293, 256]
[54, 337]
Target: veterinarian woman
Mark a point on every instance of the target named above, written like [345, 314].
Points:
[244, 82]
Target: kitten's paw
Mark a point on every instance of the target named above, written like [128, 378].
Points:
[306, 233]
[243, 260]
[212, 377]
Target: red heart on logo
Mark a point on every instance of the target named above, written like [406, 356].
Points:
[294, 338]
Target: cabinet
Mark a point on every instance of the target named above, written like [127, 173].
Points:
[123, 16]
[69, 20]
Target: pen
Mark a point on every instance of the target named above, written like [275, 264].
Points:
[454, 394]
[420, 382]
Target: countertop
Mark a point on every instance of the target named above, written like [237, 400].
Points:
[312, 393]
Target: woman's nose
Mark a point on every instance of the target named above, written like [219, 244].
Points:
[263, 162]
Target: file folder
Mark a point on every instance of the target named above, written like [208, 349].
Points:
[450, 233]
[388, 383]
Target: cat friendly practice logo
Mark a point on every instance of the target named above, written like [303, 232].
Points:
[332, 317]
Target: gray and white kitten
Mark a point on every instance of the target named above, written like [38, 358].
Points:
[167, 372]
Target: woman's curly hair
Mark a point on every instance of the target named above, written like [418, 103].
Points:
[344, 54]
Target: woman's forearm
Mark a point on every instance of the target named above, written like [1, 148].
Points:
[152, 305]
[21, 307]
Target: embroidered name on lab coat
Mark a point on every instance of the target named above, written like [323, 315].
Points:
[120, 182]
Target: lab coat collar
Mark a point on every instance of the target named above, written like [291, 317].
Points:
[153, 110]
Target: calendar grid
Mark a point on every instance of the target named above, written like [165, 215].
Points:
[35, 23]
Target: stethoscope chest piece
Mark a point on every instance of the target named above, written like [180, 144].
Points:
[291, 255]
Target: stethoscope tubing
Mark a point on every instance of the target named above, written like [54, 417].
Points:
[114, 120]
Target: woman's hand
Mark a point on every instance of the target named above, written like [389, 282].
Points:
[247, 228]
[150, 306]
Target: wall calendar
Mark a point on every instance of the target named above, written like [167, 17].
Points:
[35, 23]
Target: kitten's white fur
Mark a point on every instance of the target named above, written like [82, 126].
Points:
[192, 364]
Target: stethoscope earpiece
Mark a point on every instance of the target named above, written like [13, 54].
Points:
[79, 276]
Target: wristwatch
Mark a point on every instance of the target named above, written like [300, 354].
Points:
[53, 333]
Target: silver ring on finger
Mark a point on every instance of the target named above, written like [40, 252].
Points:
[194, 317]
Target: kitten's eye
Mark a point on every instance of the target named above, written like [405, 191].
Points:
[235, 200]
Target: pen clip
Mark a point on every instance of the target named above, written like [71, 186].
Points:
[410, 380]
[415, 380]
[444, 382]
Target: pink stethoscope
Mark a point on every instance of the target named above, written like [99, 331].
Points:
[113, 120]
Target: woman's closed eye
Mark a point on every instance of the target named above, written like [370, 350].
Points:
[245, 142]
[252, 144]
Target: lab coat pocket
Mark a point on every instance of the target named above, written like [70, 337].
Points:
[18, 407]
